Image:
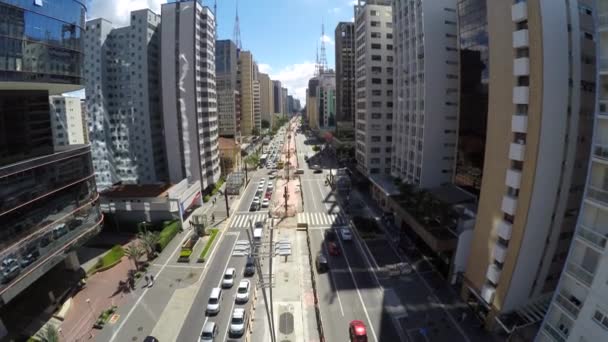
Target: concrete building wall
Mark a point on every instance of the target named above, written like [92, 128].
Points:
[66, 121]
[246, 90]
[344, 37]
[266, 98]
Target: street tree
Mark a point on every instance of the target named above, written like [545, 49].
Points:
[134, 252]
[148, 241]
[49, 334]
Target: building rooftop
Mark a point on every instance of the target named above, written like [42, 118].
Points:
[137, 190]
[227, 143]
[451, 194]
[385, 183]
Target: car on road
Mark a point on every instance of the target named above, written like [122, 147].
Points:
[346, 234]
[333, 249]
[268, 195]
[262, 180]
[321, 263]
[265, 203]
[228, 279]
[317, 171]
[213, 305]
[154, 339]
[357, 331]
[209, 332]
[249, 267]
[272, 172]
[273, 176]
[330, 235]
[242, 292]
[270, 187]
[237, 322]
[254, 207]
[256, 200]
[259, 224]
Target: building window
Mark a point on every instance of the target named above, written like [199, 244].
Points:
[601, 318]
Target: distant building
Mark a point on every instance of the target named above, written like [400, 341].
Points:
[189, 101]
[345, 74]
[230, 155]
[246, 80]
[66, 121]
[326, 100]
[312, 111]
[85, 120]
[123, 100]
[277, 96]
[228, 96]
[266, 98]
[284, 94]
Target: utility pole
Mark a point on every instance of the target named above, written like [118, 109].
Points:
[286, 196]
[226, 198]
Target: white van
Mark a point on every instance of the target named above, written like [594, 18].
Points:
[257, 235]
[213, 306]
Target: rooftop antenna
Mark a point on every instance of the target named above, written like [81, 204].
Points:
[317, 65]
[323, 61]
[237, 28]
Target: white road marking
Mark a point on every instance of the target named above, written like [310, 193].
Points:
[201, 333]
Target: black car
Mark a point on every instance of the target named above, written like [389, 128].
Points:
[330, 235]
[150, 339]
[321, 263]
[249, 267]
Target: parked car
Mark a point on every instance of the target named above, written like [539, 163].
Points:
[333, 248]
[28, 257]
[346, 234]
[10, 270]
[242, 292]
[213, 305]
[249, 267]
[228, 279]
[238, 322]
[321, 263]
[357, 331]
[209, 332]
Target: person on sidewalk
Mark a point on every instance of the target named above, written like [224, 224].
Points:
[147, 280]
[151, 280]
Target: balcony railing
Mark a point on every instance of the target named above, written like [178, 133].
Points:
[555, 334]
[598, 194]
[580, 273]
[567, 305]
[592, 236]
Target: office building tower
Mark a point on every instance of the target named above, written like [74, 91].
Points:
[246, 79]
[85, 120]
[277, 96]
[228, 101]
[48, 198]
[473, 101]
[579, 307]
[266, 98]
[312, 109]
[66, 121]
[188, 92]
[290, 104]
[298, 105]
[284, 94]
[426, 92]
[344, 36]
[374, 63]
[326, 100]
[541, 104]
[123, 100]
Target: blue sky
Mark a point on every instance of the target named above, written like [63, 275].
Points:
[282, 34]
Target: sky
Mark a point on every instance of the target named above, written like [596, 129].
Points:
[282, 34]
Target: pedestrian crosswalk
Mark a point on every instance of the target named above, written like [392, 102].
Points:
[242, 220]
[321, 220]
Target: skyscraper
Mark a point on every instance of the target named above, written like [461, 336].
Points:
[374, 86]
[246, 78]
[226, 68]
[426, 92]
[541, 100]
[284, 94]
[266, 98]
[326, 100]
[48, 198]
[345, 74]
[189, 95]
[123, 100]
[277, 96]
[579, 309]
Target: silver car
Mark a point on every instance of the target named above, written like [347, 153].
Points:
[228, 279]
[209, 332]
[242, 292]
[238, 322]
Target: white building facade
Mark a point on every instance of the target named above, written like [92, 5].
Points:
[373, 86]
[123, 100]
[426, 91]
[189, 92]
[66, 121]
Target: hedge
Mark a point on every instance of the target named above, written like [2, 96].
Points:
[167, 234]
[109, 260]
[208, 245]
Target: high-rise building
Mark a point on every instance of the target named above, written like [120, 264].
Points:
[257, 108]
[123, 100]
[473, 102]
[85, 120]
[541, 104]
[246, 78]
[579, 309]
[374, 99]
[290, 104]
[326, 100]
[277, 96]
[284, 94]
[188, 91]
[312, 110]
[298, 105]
[48, 198]
[226, 69]
[344, 36]
[266, 98]
[426, 92]
[66, 121]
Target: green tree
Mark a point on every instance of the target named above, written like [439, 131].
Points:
[49, 334]
[253, 159]
[148, 241]
[134, 252]
[265, 124]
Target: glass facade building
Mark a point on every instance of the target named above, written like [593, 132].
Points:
[473, 106]
[48, 196]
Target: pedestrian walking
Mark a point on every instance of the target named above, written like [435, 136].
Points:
[147, 279]
[151, 280]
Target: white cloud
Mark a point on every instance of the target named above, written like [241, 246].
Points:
[334, 10]
[295, 78]
[327, 39]
[117, 11]
[264, 68]
[353, 2]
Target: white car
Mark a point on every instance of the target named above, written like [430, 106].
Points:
[346, 234]
[228, 279]
[242, 292]
[272, 176]
[237, 323]
[265, 203]
[209, 332]
[270, 187]
[262, 181]
[213, 305]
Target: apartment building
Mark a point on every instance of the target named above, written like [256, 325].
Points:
[284, 94]
[579, 308]
[266, 98]
[189, 93]
[541, 100]
[257, 101]
[326, 101]
[123, 100]
[344, 37]
[426, 91]
[277, 97]
[66, 121]
[374, 87]
[48, 198]
[85, 120]
[245, 79]
[228, 96]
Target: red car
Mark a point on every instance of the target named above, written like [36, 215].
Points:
[268, 195]
[357, 331]
[333, 249]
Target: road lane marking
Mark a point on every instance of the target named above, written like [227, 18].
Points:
[201, 333]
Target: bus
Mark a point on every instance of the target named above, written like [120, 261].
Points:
[263, 159]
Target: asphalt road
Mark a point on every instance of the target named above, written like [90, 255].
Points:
[350, 289]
